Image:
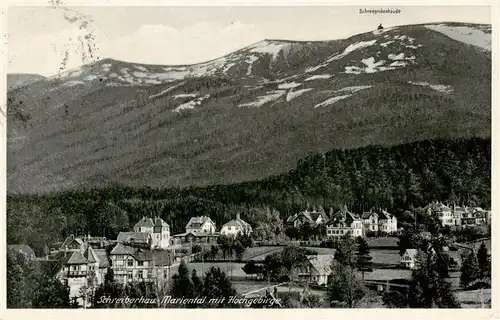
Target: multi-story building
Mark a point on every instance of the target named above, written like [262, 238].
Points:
[344, 222]
[158, 229]
[200, 225]
[313, 218]
[317, 270]
[131, 263]
[235, 227]
[444, 213]
[387, 222]
[408, 258]
[80, 266]
[370, 221]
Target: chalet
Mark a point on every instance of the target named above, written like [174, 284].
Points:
[133, 263]
[387, 222]
[79, 265]
[235, 227]
[408, 258]
[370, 221]
[23, 249]
[200, 225]
[318, 269]
[313, 218]
[344, 222]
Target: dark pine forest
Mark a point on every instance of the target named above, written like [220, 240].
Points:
[395, 178]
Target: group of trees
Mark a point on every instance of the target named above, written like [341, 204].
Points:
[30, 285]
[227, 248]
[476, 266]
[215, 285]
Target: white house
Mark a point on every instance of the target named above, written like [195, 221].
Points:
[388, 223]
[444, 213]
[236, 226]
[201, 224]
[158, 229]
[343, 223]
[408, 258]
[370, 221]
[317, 270]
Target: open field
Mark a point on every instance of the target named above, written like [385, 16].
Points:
[388, 274]
[259, 253]
[382, 242]
[202, 268]
[384, 256]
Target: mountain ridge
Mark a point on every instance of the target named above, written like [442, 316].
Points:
[250, 114]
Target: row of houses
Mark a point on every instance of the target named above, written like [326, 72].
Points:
[459, 215]
[203, 229]
[345, 222]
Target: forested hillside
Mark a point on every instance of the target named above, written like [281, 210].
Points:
[396, 178]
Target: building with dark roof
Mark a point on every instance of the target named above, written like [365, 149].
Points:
[199, 225]
[344, 222]
[133, 263]
[313, 218]
[157, 228]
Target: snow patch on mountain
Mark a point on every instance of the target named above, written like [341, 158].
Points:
[349, 49]
[469, 35]
[353, 89]
[386, 43]
[319, 76]
[261, 100]
[250, 60]
[73, 83]
[400, 56]
[438, 87]
[268, 47]
[184, 95]
[191, 104]
[140, 68]
[288, 85]
[332, 100]
[294, 94]
[371, 65]
[163, 92]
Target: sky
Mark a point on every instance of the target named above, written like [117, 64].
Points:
[40, 39]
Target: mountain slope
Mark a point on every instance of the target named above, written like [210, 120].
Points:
[250, 114]
[17, 80]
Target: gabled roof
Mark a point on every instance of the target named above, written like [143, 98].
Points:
[367, 215]
[198, 222]
[71, 239]
[159, 222]
[102, 257]
[137, 237]
[90, 255]
[411, 252]
[385, 215]
[322, 263]
[76, 258]
[144, 222]
[238, 223]
[158, 257]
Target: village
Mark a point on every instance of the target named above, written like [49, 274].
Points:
[150, 253]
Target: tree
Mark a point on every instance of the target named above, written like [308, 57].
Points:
[469, 271]
[345, 251]
[344, 289]
[216, 286]
[239, 250]
[292, 233]
[214, 250]
[21, 280]
[484, 263]
[50, 294]
[182, 287]
[428, 289]
[363, 258]
[197, 283]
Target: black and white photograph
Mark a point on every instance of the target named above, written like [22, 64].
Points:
[248, 157]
